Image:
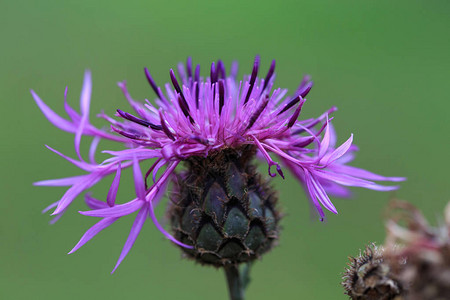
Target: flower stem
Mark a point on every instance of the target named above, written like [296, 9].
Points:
[237, 280]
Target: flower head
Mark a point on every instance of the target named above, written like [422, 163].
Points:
[369, 276]
[198, 116]
[413, 264]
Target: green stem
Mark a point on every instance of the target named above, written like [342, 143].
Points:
[237, 280]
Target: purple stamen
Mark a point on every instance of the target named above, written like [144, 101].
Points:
[269, 75]
[213, 73]
[317, 121]
[294, 117]
[221, 70]
[181, 100]
[289, 105]
[199, 139]
[136, 120]
[257, 113]
[126, 134]
[213, 77]
[280, 171]
[252, 78]
[234, 69]
[175, 83]
[197, 80]
[153, 84]
[189, 67]
[305, 90]
[221, 96]
[304, 81]
[165, 128]
[184, 107]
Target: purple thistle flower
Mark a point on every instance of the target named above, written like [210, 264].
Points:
[197, 117]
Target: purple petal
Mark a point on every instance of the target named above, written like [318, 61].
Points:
[93, 231]
[111, 197]
[336, 190]
[57, 217]
[80, 164]
[161, 229]
[93, 149]
[85, 100]
[85, 97]
[68, 181]
[138, 180]
[115, 211]
[352, 181]
[333, 135]
[325, 142]
[322, 195]
[134, 232]
[54, 204]
[93, 203]
[313, 197]
[341, 150]
[140, 153]
[361, 173]
[156, 168]
[55, 119]
[73, 115]
[77, 189]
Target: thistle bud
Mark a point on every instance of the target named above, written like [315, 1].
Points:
[224, 209]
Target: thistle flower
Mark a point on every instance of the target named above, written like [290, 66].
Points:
[214, 126]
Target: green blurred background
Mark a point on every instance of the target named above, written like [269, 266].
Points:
[385, 64]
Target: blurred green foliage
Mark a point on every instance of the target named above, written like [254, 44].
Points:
[385, 64]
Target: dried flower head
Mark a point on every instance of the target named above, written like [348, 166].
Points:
[414, 263]
[417, 253]
[369, 277]
[196, 120]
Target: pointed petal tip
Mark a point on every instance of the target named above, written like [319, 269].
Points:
[88, 73]
[397, 179]
[183, 245]
[57, 211]
[393, 188]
